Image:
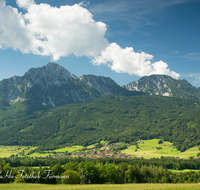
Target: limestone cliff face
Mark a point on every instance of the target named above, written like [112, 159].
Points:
[104, 85]
[155, 84]
[50, 85]
[51, 74]
[165, 86]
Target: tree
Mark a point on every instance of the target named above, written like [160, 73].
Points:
[71, 166]
[19, 179]
[165, 180]
[132, 175]
[112, 173]
[70, 177]
[57, 170]
[83, 178]
[122, 168]
[92, 173]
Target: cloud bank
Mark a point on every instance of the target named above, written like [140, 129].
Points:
[127, 61]
[59, 32]
[51, 31]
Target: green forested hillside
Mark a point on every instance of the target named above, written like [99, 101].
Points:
[112, 118]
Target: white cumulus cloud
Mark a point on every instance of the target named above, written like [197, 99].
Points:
[131, 62]
[59, 32]
[25, 3]
[13, 32]
[46, 30]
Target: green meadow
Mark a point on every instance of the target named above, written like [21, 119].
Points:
[103, 187]
[151, 149]
[69, 149]
[146, 149]
[185, 170]
[60, 150]
[7, 151]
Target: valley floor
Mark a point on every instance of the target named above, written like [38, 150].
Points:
[145, 148]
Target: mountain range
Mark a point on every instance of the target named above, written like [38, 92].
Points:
[51, 106]
[165, 86]
[52, 85]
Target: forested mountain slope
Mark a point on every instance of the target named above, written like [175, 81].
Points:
[112, 118]
[50, 106]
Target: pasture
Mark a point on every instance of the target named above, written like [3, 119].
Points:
[60, 150]
[146, 149]
[69, 149]
[7, 151]
[151, 149]
[99, 187]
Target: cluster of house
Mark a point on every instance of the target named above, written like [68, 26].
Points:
[108, 151]
[61, 155]
[101, 154]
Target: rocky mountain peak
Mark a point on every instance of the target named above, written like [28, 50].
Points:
[103, 84]
[53, 85]
[154, 84]
[106, 85]
[164, 85]
[47, 86]
[50, 74]
[155, 78]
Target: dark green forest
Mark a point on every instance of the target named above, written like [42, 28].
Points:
[98, 171]
[110, 118]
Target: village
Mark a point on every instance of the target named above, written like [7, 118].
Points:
[106, 151]
[118, 150]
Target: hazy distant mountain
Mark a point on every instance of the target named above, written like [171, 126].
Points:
[164, 85]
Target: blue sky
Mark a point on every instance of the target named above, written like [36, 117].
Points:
[123, 40]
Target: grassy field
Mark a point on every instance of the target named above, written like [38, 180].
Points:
[7, 151]
[151, 149]
[47, 153]
[69, 149]
[147, 149]
[99, 187]
[37, 154]
[185, 170]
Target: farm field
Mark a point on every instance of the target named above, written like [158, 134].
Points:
[69, 149]
[99, 187]
[7, 151]
[47, 153]
[146, 149]
[185, 170]
[151, 149]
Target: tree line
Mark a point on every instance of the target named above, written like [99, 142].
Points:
[99, 171]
